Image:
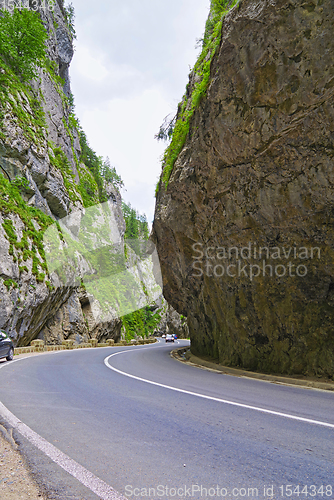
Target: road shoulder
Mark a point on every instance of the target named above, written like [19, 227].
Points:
[184, 355]
[16, 482]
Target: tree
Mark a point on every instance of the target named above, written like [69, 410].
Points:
[70, 17]
[22, 42]
[101, 170]
[132, 229]
[136, 225]
[144, 232]
[110, 175]
[166, 129]
[94, 164]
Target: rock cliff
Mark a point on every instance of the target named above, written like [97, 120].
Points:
[172, 322]
[42, 181]
[245, 204]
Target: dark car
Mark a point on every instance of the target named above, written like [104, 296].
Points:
[169, 338]
[6, 346]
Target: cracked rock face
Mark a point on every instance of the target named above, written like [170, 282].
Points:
[173, 323]
[20, 156]
[256, 172]
[74, 320]
[31, 308]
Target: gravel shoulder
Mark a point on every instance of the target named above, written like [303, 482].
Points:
[16, 482]
[184, 355]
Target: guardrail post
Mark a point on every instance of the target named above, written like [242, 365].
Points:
[37, 345]
[93, 342]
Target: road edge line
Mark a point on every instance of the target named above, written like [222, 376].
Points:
[211, 398]
[197, 362]
[80, 473]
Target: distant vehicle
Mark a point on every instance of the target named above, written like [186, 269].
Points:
[6, 346]
[175, 336]
[163, 336]
[169, 338]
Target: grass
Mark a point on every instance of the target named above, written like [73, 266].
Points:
[60, 161]
[30, 246]
[19, 103]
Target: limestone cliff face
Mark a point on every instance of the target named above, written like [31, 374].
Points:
[39, 153]
[256, 171]
[24, 153]
[171, 322]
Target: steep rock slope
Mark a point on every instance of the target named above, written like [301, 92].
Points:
[256, 171]
[172, 322]
[43, 180]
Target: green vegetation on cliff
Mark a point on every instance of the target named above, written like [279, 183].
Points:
[100, 169]
[22, 41]
[22, 53]
[70, 16]
[30, 245]
[194, 95]
[21, 105]
[136, 225]
[85, 175]
[141, 323]
[94, 172]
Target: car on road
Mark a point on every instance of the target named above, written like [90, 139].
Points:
[163, 336]
[6, 346]
[169, 338]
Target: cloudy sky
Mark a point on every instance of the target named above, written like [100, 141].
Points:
[129, 71]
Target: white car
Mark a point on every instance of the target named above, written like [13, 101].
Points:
[169, 338]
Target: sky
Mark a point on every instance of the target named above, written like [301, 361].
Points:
[130, 69]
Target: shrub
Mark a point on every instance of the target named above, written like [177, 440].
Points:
[22, 42]
[142, 322]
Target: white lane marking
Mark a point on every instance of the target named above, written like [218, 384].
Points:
[83, 475]
[211, 398]
[92, 482]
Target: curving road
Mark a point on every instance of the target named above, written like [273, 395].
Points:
[215, 436]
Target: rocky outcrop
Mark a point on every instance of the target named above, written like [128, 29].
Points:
[110, 277]
[75, 321]
[176, 324]
[40, 155]
[172, 322]
[27, 154]
[256, 172]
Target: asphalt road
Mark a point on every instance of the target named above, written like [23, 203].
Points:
[134, 435]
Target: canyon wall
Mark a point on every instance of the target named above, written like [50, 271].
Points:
[42, 181]
[244, 218]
